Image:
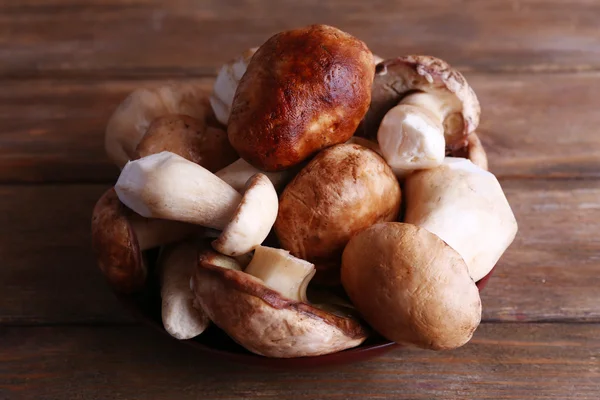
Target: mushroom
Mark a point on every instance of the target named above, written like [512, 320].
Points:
[465, 206]
[265, 310]
[343, 190]
[180, 317]
[119, 236]
[427, 95]
[226, 84]
[410, 286]
[369, 144]
[304, 90]
[133, 116]
[190, 138]
[168, 186]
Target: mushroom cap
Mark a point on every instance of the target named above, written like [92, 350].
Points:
[474, 151]
[303, 90]
[343, 190]
[266, 323]
[252, 220]
[399, 77]
[190, 138]
[130, 121]
[115, 244]
[411, 287]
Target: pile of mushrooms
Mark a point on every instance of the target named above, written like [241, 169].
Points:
[312, 166]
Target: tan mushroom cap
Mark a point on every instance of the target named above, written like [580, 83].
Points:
[266, 323]
[402, 76]
[191, 138]
[252, 220]
[130, 121]
[119, 236]
[411, 287]
[343, 190]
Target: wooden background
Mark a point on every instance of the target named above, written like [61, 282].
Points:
[66, 64]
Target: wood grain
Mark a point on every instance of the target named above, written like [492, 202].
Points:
[532, 126]
[503, 361]
[189, 37]
[48, 274]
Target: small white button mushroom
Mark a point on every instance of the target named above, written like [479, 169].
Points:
[265, 309]
[226, 84]
[168, 186]
[130, 121]
[465, 206]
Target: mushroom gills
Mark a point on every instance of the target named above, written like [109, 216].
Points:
[281, 271]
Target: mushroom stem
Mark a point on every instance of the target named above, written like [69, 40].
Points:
[152, 233]
[281, 271]
[168, 186]
[237, 174]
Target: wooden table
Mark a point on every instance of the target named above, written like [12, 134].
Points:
[66, 64]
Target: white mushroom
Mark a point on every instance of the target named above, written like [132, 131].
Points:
[130, 121]
[168, 186]
[465, 206]
[226, 84]
[176, 264]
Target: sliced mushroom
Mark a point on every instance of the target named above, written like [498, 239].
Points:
[191, 138]
[343, 190]
[465, 206]
[428, 95]
[119, 236]
[226, 84]
[168, 186]
[133, 116]
[267, 313]
[411, 287]
[180, 317]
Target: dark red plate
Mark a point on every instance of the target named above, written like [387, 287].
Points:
[215, 343]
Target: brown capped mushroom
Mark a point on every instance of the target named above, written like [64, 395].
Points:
[130, 121]
[427, 95]
[458, 190]
[265, 310]
[190, 138]
[181, 318]
[119, 236]
[303, 90]
[343, 190]
[411, 287]
[168, 186]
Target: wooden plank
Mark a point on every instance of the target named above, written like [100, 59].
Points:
[503, 361]
[48, 274]
[532, 126]
[47, 271]
[149, 38]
